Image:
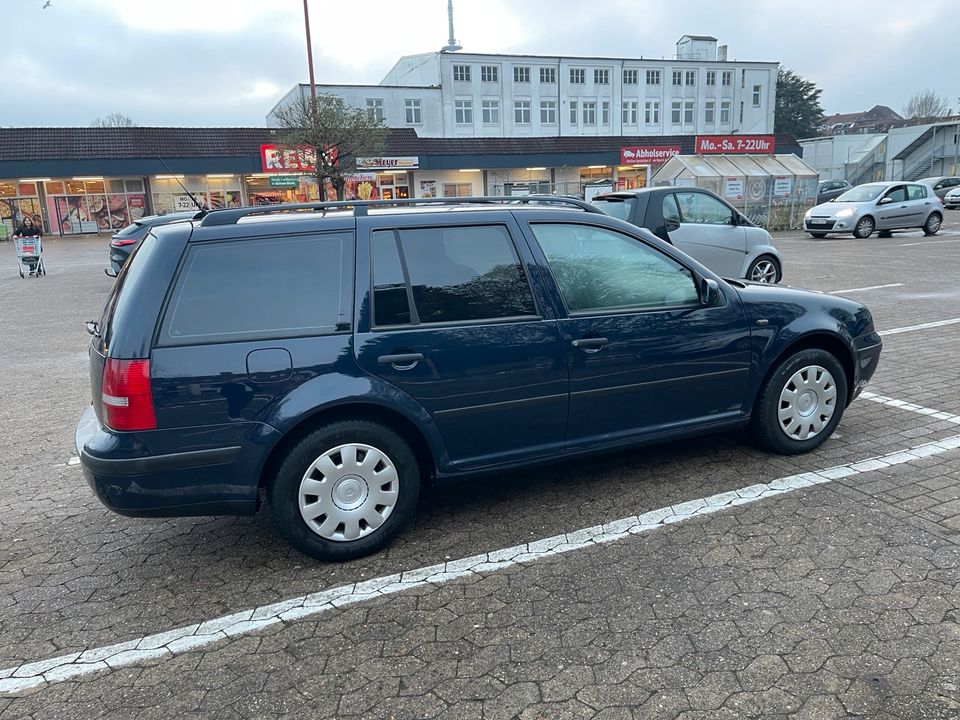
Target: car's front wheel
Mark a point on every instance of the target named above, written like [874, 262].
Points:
[932, 225]
[801, 403]
[345, 490]
[864, 228]
[764, 269]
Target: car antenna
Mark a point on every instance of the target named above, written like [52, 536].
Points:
[196, 202]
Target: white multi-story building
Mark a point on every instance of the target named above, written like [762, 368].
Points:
[457, 94]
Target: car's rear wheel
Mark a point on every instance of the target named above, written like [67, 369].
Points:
[818, 235]
[932, 225]
[345, 490]
[864, 228]
[801, 403]
[764, 269]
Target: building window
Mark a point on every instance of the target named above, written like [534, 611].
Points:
[725, 112]
[461, 73]
[521, 74]
[727, 78]
[631, 77]
[573, 112]
[741, 113]
[411, 109]
[756, 95]
[653, 77]
[521, 112]
[711, 77]
[548, 75]
[690, 77]
[688, 113]
[548, 112]
[463, 112]
[375, 109]
[578, 76]
[630, 109]
[677, 78]
[605, 112]
[743, 79]
[490, 111]
[489, 73]
[675, 111]
[601, 77]
[651, 112]
[589, 113]
[457, 189]
[709, 111]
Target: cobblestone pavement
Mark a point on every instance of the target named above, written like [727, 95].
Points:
[838, 600]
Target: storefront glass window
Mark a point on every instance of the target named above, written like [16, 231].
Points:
[17, 200]
[210, 192]
[92, 206]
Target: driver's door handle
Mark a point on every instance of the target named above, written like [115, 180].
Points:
[401, 361]
[590, 344]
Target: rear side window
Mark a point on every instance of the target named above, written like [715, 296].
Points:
[916, 192]
[447, 275]
[132, 229]
[256, 289]
[619, 208]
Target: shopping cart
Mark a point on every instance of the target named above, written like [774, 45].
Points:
[29, 255]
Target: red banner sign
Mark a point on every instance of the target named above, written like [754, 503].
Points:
[648, 155]
[734, 144]
[285, 160]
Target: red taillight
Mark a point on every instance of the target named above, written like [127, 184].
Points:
[121, 242]
[127, 400]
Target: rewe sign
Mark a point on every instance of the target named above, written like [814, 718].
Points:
[648, 155]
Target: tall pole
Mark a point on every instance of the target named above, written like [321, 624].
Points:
[306, 23]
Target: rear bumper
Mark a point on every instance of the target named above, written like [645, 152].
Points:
[131, 479]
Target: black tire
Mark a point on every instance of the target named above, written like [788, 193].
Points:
[818, 236]
[765, 259]
[864, 228]
[284, 488]
[933, 223]
[766, 426]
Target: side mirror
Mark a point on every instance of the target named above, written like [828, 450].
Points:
[735, 218]
[709, 291]
[885, 201]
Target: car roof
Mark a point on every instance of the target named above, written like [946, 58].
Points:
[623, 194]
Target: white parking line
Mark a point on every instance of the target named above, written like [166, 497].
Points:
[923, 326]
[903, 405]
[929, 242]
[32, 675]
[868, 287]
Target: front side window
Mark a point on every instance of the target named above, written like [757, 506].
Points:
[601, 270]
[548, 112]
[463, 112]
[916, 192]
[375, 109]
[455, 274]
[702, 209]
[489, 73]
[897, 194]
[491, 112]
[670, 211]
[258, 289]
[412, 109]
[521, 112]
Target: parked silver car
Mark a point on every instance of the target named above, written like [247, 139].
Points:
[941, 184]
[881, 206]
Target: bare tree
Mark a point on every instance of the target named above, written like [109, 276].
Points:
[926, 104]
[336, 132]
[114, 119]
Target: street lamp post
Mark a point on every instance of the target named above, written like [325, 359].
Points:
[306, 23]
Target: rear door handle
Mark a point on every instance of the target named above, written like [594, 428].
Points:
[401, 361]
[590, 344]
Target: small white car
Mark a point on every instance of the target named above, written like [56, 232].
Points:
[951, 201]
[877, 207]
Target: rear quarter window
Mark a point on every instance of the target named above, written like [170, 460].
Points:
[258, 289]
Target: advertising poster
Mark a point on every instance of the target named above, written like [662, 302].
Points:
[428, 188]
[361, 187]
[733, 187]
[119, 214]
[782, 186]
[137, 206]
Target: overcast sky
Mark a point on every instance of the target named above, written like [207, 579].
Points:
[226, 62]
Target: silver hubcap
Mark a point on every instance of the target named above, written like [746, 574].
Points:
[807, 402]
[348, 492]
[764, 271]
[933, 223]
[865, 227]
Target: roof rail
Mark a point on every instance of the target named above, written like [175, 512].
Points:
[230, 216]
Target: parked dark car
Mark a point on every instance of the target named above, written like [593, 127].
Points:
[701, 224]
[125, 241]
[830, 189]
[941, 184]
[328, 360]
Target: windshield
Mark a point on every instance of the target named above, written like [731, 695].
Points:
[620, 208]
[862, 193]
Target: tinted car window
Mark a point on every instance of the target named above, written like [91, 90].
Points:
[131, 230]
[465, 273]
[252, 289]
[916, 192]
[600, 270]
[620, 208]
[670, 211]
[702, 209]
[898, 194]
[391, 304]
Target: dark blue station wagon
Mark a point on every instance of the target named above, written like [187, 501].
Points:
[329, 358]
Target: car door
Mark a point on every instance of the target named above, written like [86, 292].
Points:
[705, 231]
[920, 199]
[450, 318]
[645, 355]
[892, 209]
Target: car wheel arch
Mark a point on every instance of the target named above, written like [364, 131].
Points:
[369, 411]
[826, 341]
